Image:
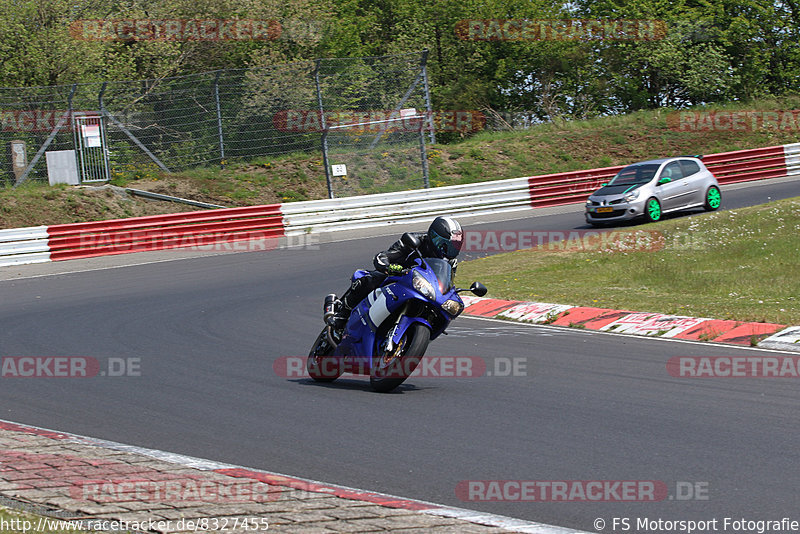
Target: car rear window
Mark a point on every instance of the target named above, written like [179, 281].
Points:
[689, 167]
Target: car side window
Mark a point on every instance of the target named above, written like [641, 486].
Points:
[689, 167]
[672, 171]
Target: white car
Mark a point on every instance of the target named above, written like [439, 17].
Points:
[652, 188]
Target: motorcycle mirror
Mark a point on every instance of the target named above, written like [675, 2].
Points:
[410, 241]
[478, 289]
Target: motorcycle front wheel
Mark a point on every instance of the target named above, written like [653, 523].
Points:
[391, 368]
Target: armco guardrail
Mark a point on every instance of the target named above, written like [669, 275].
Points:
[792, 157]
[24, 245]
[747, 165]
[367, 211]
[568, 187]
[199, 228]
[202, 228]
[138, 234]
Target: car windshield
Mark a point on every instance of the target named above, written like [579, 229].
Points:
[635, 174]
[443, 272]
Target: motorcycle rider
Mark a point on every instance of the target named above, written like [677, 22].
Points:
[442, 240]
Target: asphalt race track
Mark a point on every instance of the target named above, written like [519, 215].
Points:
[206, 331]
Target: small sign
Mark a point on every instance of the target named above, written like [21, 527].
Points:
[91, 134]
[408, 112]
[339, 170]
[19, 158]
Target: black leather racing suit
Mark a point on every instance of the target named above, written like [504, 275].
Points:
[398, 254]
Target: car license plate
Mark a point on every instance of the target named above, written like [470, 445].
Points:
[608, 209]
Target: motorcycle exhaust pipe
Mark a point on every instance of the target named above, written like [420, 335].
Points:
[329, 308]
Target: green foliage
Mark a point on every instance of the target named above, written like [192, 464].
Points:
[710, 52]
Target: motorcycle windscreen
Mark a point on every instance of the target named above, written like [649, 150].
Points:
[443, 272]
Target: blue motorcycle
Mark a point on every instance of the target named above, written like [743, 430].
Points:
[388, 332]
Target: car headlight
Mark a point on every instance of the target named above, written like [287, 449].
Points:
[453, 307]
[633, 195]
[423, 286]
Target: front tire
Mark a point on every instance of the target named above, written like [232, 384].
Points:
[389, 370]
[652, 210]
[713, 199]
[321, 365]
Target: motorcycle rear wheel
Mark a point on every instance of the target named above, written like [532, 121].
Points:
[321, 365]
[389, 370]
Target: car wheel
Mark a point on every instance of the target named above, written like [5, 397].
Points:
[713, 198]
[652, 210]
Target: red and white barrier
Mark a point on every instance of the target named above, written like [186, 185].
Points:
[202, 228]
[24, 245]
[158, 232]
[138, 234]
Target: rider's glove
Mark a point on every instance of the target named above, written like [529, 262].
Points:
[394, 269]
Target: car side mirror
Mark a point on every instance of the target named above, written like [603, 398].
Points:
[410, 241]
[478, 289]
[664, 180]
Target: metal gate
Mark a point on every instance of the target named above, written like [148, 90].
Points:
[90, 145]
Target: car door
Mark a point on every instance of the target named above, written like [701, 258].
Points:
[694, 181]
[672, 194]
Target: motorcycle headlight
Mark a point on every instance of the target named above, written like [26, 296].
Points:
[453, 307]
[633, 195]
[423, 286]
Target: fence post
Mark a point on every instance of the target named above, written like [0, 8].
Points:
[324, 130]
[427, 94]
[424, 154]
[219, 122]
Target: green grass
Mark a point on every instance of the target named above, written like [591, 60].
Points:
[740, 264]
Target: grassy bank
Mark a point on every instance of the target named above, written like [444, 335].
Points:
[741, 264]
[547, 148]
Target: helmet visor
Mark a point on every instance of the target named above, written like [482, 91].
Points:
[449, 248]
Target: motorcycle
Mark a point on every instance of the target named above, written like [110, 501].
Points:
[388, 332]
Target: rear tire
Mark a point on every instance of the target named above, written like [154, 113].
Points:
[321, 365]
[713, 199]
[652, 210]
[406, 357]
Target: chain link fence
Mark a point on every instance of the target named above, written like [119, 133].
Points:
[371, 115]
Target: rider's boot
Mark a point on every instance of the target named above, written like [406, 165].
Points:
[344, 307]
[339, 319]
